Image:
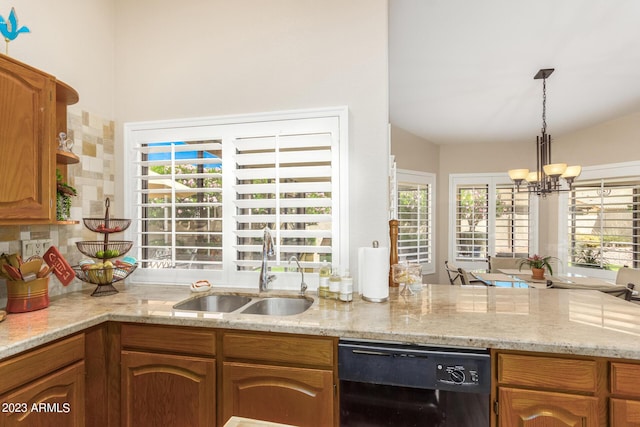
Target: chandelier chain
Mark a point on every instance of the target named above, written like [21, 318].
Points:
[544, 105]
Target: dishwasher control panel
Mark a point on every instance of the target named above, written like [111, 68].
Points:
[418, 366]
[457, 374]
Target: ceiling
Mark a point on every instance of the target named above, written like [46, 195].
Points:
[462, 71]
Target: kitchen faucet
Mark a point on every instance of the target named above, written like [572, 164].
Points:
[267, 251]
[303, 286]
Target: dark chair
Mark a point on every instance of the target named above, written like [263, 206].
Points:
[459, 276]
[453, 273]
[467, 279]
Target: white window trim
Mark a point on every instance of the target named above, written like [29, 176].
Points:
[425, 178]
[610, 170]
[492, 179]
[213, 128]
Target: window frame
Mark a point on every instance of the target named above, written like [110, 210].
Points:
[605, 171]
[492, 180]
[225, 128]
[429, 179]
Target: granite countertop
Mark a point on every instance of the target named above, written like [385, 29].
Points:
[577, 322]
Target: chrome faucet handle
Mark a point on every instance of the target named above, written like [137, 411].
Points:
[267, 251]
[303, 286]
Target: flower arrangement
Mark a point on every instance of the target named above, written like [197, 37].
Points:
[538, 261]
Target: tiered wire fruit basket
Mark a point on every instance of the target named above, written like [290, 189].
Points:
[109, 268]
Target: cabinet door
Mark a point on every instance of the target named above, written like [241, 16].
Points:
[298, 396]
[528, 408]
[27, 152]
[56, 400]
[625, 413]
[167, 390]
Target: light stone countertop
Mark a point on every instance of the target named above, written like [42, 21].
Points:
[547, 320]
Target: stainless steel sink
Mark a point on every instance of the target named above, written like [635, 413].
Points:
[278, 306]
[214, 303]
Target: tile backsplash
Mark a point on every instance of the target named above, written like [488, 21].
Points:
[93, 177]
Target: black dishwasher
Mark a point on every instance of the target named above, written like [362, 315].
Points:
[393, 384]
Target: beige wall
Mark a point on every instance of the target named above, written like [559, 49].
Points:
[72, 40]
[417, 154]
[207, 58]
[414, 153]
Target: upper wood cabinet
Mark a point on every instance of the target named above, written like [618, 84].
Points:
[33, 109]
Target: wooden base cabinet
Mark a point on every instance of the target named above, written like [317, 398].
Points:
[297, 396]
[529, 408]
[45, 386]
[624, 405]
[549, 390]
[56, 400]
[281, 378]
[167, 390]
[168, 376]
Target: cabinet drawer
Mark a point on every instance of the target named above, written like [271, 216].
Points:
[295, 350]
[548, 372]
[625, 378]
[169, 338]
[29, 366]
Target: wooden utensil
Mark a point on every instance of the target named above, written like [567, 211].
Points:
[31, 267]
[12, 272]
[44, 271]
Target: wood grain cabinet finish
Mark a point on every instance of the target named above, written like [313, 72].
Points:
[550, 391]
[529, 408]
[45, 386]
[168, 376]
[27, 126]
[280, 378]
[167, 390]
[288, 395]
[56, 400]
[624, 405]
[33, 111]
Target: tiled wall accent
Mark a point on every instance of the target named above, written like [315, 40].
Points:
[93, 177]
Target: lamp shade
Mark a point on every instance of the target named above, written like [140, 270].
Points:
[533, 177]
[518, 174]
[554, 170]
[572, 171]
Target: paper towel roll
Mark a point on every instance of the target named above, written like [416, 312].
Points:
[373, 266]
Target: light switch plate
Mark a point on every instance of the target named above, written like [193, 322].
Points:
[35, 247]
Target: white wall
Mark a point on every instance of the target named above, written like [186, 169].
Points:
[200, 58]
[71, 40]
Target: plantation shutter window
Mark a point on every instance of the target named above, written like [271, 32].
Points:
[511, 223]
[284, 182]
[489, 218]
[415, 218]
[604, 223]
[180, 205]
[204, 189]
[472, 222]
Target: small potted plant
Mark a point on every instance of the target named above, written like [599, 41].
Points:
[63, 198]
[537, 263]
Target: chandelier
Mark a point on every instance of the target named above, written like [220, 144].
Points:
[548, 177]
